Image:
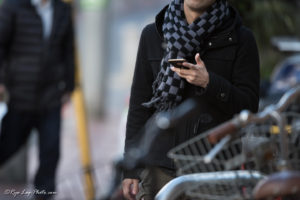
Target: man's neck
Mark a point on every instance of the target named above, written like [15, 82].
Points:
[191, 15]
[43, 2]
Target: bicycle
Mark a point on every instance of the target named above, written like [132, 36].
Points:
[204, 162]
[286, 74]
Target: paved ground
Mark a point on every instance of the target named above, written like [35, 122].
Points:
[106, 144]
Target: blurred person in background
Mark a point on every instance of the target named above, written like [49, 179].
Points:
[37, 61]
[222, 72]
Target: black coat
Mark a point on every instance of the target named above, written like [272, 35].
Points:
[231, 57]
[37, 71]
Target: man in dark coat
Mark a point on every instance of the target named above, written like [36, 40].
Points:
[222, 72]
[37, 65]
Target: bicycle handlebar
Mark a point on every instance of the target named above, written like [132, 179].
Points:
[288, 98]
[177, 186]
[169, 119]
[156, 125]
[221, 131]
[245, 117]
[136, 157]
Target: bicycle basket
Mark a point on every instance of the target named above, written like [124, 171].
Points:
[257, 146]
[262, 144]
[189, 156]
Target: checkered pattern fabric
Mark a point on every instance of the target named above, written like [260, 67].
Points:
[183, 40]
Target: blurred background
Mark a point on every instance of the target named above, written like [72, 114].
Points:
[107, 36]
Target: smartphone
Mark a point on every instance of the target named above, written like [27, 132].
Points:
[177, 62]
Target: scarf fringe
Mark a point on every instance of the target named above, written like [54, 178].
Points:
[161, 104]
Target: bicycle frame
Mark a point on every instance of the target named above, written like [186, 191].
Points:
[221, 136]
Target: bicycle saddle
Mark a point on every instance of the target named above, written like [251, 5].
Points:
[281, 184]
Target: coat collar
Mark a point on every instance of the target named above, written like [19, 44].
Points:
[159, 20]
[223, 36]
[58, 14]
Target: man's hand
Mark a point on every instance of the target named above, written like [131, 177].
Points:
[196, 74]
[2, 92]
[130, 188]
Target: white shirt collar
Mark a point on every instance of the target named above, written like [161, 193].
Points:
[46, 13]
[38, 3]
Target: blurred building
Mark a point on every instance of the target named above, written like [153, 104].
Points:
[108, 36]
[107, 33]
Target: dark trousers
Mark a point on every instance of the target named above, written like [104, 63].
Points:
[152, 180]
[17, 126]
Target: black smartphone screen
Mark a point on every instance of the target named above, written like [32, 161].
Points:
[177, 62]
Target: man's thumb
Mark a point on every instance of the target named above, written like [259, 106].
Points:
[198, 59]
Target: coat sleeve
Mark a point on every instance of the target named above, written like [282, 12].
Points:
[141, 92]
[242, 91]
[69, 52]
[6, 29]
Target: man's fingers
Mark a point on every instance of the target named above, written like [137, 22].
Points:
[126, 187]
[187, 74]
[130, 188]
[135, 187]
[190, 65]
[182, 72]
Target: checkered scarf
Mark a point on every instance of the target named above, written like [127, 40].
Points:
[183, 41]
